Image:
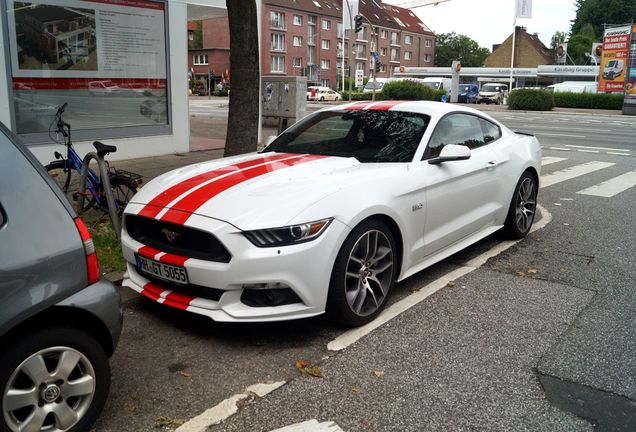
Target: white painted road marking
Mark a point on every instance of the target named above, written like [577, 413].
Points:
[595, 148]
[561, 135]
[351, 336]
[612, 187]
[560, 148]
[547, 160]
[588, 151]
[619, 154]
[572, 172]
[311, 426]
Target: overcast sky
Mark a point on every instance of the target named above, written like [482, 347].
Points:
[490, 21]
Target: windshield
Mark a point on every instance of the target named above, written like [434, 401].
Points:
[434, 85]
[490, 88]
[368, 136]
[369, 85]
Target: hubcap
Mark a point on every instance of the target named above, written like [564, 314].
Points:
[50, 391]
[369, 273]
[526, 205]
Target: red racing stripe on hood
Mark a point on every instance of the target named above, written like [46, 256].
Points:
[183, 209]
[153, 208]
[358, 105]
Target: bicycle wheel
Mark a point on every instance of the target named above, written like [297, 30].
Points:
[68, 180]
[123, 191]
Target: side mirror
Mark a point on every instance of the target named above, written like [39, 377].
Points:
[451, 152]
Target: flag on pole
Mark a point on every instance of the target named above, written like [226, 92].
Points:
[523, 9]
[349, 11]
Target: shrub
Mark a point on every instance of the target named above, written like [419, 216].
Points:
[589, 100]
[531, 100]
[357, 96]
[406, 90]
[437, 95]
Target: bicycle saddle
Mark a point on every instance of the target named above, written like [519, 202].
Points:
[104, 149]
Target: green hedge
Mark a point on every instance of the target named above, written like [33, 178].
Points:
[531, 100]
[437, 95]
[589, 100]
[406, 90]
[357, 96]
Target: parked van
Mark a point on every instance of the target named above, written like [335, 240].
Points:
[573, 87]
[613, 69]
[438, 83]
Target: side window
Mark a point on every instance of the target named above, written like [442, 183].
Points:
[462, 129]
[491, 131]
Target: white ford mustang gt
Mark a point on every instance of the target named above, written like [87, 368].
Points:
[331, 214]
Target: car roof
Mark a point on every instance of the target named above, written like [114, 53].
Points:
[433, 109]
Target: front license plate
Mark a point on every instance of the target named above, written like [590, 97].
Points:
[161, 270]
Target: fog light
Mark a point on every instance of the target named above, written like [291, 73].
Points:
[268, 294]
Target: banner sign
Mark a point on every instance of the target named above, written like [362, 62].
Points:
[614, 60]
[523, 9]
[630, 77]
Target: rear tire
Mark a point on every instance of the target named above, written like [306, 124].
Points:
[363, 275]
[68, 181]
[523, 207]
[123, 191]
[63, 397]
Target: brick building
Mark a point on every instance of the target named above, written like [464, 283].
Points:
[209, 48]
[530, 52]
[304, 38]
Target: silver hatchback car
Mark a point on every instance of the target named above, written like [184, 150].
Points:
[59, 321]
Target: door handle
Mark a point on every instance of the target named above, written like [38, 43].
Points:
[492, 164]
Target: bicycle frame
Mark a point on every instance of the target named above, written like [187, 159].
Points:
[74, 161]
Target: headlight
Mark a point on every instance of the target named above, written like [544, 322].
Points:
[288, 235]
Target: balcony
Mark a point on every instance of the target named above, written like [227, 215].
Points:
[280, 48]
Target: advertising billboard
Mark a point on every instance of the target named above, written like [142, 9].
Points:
[630, 77]
[614, 60]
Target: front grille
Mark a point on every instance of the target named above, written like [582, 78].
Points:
[189, 290]
[186, 241]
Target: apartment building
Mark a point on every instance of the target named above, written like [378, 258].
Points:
[304, 38]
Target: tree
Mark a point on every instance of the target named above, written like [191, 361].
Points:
[451, 46]
[578, 45]
[599, 12]
[242, 126]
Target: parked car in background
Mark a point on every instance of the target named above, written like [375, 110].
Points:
[331, 213]
[467, 93]
[379, 83]
[327, 95]
[437, 83]
[312, 90]
[59, 320]
[492, 93]
[104, 88]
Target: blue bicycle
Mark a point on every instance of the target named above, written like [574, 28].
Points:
[66, 172]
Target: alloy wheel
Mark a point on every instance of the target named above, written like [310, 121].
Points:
[49, 391]
[369, 273]
[526, 205]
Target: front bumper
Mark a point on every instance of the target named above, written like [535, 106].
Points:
[304, 268]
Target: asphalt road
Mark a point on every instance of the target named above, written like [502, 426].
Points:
[540, 337]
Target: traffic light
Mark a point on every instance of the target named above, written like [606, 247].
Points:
[378, 66]
[358, 20]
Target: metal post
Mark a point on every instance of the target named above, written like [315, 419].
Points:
[110, 199]
[512, 57]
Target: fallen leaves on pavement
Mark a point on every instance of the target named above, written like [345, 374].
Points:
[305, 367]
[450, 284]
[378, 373]
[184, 374]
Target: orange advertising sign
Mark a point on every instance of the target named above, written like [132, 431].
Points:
[614, 60]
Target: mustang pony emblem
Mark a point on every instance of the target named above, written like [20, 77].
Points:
[170, 235]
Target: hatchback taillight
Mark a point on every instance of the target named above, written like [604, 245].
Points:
[92, 264]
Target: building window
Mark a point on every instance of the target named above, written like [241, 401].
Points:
[408, 55]
[395, 38]
[278, 42]
[428, 43]
[325, 83]
[339, 48]
[383, 51]
[298, 41]
[191, 36]
[277, 20]
[359, 65]
[361, 51]
[427, 58]
[395, 55]
[297, 62]
[340, 30]
[326, 24]
[326, 44]
[384, 34]
[277, 64]
[325, 64]
[200, 59]
[408, 40]
[383, 68]
[298, 20]
[311, 20]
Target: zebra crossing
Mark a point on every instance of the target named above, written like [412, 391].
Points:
[606, 189]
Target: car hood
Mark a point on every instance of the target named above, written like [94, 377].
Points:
[249, 198]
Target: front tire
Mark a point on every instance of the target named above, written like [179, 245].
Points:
[56, 378]
[522, 208]
[363, 275]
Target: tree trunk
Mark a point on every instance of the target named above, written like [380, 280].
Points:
[242, 126]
